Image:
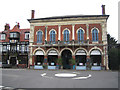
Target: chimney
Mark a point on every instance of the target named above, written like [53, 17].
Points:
[18, 24]
[32, 14]
[103, 9]
[7, 26]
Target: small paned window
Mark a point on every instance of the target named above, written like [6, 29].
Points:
[27, 35]
[2, 36]
[13, 35]
[52, 36]
[66, 36]
[4, 48]
[39, 37]
[94, 35]
[80, 35]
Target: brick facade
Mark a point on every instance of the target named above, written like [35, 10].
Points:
[59, 24]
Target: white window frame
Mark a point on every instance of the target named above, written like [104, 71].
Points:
[27, 35]
[4, 48]
[2, 36]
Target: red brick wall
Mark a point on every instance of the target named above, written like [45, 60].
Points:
[83, 26]
[100, 31]
[37, 28]
[52, 27]
[77, 26]
[70, 28]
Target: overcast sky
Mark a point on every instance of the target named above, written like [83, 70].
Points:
[12, 11]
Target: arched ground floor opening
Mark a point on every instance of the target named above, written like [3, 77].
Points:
[66, 56]
[80, 57]
[52, 60]
[52, 57]
[39, 57]
[84, 59]
[95, 57]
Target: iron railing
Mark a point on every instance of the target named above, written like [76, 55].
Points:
[59, 43]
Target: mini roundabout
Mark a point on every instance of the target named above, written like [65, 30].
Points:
[73, 75]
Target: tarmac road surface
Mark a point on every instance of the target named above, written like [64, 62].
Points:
[25, 78]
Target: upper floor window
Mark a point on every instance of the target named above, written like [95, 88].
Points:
[95, 35]
[39, 37]
[27, 35]
[52, 36]
[80, 35]
[13, 41]
[0, 49]
[2, 36]
[23, 48]
[13, 48]
[66, 35]
[4, 48]
[14, 35]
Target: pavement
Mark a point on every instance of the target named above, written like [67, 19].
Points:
[25, 78]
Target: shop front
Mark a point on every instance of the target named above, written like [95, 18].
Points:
[52, 59]
[80, 58]
[95, 57]
[39, 59]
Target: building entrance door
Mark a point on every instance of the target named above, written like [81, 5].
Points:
[13, 61]
[66, 56]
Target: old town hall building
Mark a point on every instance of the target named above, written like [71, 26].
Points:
[81, 37]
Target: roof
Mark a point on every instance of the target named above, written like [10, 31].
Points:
[15, 29]
[69, 16]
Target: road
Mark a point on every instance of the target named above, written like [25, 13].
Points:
[25, 78]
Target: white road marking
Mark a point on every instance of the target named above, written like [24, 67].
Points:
[44, 75]
[6, 88]
[1, 87]
[76, 72]
[83, 77]
[65, 75]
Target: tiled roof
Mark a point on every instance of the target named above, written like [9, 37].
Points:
[69, 16]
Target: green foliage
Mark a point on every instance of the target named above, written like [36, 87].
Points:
[113, 53]
[72, 61]
[111, 41]
[45, 66]
[113, 58]
[59, 61]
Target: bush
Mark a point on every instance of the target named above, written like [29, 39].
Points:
[59, 61]
[45, 66]
[72, 61]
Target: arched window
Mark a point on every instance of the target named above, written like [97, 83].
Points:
[66, 35]
[52, 36]
[80, 35]
[39, 37]
[94, 35]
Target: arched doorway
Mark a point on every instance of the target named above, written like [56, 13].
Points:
[39, 59]
[66, 56]
[95, 57]
[80, 57]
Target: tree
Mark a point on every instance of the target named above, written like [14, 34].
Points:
[111, 42]
[113, 53]
[113, 59]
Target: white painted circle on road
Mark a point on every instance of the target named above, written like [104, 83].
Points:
[65, 75]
